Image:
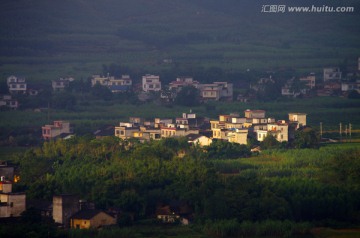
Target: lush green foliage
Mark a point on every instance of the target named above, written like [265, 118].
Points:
[299, 185]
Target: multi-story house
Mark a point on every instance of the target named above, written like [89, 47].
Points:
[151, 83]
[183, 82]
[254, 113]
[239, 136]
[126, 130]
[310, 80]
[115, 85]
[279, 130]
[298, 118]
[11, 204]
[176, 131]
[61, 83]
[7, 101]
[59, 128]
[16, 85]
[332, 74]
[216, 91]
[64, 206]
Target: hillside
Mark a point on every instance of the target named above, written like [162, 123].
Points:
[43, 39]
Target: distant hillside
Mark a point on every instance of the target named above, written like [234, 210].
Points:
[78, 36]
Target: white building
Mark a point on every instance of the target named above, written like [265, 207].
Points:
[16, 85]
[332, 74]
[115, 85]
[151, 83]
[216, 91]
[7, 101]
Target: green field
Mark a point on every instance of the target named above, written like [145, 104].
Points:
[329, 110]
[45, 40]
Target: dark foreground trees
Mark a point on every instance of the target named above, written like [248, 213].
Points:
[136, 177]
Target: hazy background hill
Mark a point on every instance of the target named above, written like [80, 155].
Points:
[47, 39]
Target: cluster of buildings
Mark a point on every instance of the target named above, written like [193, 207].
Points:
[233, 128]
[198, 130]
[152, 83]
[68, 211]
[333, 82]
[18, 86]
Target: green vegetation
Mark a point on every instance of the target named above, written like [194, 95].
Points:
[43, 40]
[283, 192]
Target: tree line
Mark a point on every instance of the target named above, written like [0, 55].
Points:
[136, 177]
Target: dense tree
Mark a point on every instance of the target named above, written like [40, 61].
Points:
[63, 100]
[269, 142]
[306, 137]
[101, 92]
[353, 94]
[188, 96]
[136, 177]
[220, 149]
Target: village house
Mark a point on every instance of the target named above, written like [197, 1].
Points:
[11, 204]
[59, 128]
[254, 114]
[310, 80]
[216, 91]
[261, 84]
[86, 219]
[280, 130]
[69, 211]
[298, 118]
[8, 102]
[238, 136]
[182, 82]
[175, 212]
[350, 86]
[16, 85]
[197, 139]
[151, 83]
[60, 84]
[288, 90]
[115, 85]
[176, 131]
[126, 130]
[332, 74]
[64, 206]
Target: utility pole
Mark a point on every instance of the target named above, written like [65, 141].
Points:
[340, 131]
[346, 133]
[321, 131]
[350, 131]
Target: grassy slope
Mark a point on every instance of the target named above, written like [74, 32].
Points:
[43, 39]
